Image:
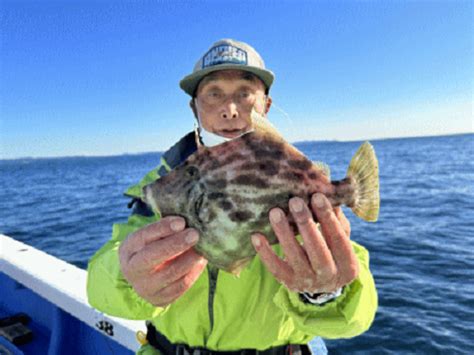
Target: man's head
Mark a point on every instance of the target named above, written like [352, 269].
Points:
[227, 54]
[227, 83]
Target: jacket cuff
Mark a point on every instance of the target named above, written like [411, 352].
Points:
[328, 319]
[347, 316]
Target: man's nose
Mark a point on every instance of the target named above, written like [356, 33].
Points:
[229, 109]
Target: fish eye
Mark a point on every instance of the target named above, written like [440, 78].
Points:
[192, 172]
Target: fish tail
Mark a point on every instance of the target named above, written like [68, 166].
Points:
[364, 171]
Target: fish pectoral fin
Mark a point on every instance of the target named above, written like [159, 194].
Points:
[364, 170]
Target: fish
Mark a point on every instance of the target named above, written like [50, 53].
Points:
[226, 191]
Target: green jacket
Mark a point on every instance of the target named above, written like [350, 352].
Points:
[225, 312]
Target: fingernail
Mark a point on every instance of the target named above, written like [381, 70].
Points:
[177, 225]
[318, 200]
[191, 237]
[256, 240]
[275, 215]
[296, 205]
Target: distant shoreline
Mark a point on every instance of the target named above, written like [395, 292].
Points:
[380, 139]
[294, 143]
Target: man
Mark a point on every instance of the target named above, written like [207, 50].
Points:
[287, 295]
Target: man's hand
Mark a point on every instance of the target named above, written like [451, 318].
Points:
[324, 262]
[159, 262]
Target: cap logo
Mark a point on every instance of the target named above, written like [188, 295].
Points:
[224, 54]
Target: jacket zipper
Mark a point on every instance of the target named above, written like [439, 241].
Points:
[213, 273]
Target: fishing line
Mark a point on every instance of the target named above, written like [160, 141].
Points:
[288, 131]
[286, 115]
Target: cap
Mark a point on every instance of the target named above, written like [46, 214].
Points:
[227, 54]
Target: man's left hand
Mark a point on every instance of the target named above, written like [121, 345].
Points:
[324, 262]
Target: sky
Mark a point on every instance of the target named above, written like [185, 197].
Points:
[101, 77]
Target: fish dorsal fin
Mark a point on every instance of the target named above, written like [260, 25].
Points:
[262, 124]
[323, 167]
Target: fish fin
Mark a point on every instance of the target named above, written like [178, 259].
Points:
[261, 123]
[237, 267]
[364, 170]
[324, 168]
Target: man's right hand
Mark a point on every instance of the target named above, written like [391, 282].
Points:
[159, 262]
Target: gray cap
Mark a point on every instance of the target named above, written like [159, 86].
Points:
[227, 54]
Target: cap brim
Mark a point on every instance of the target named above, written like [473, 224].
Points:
[189, 83]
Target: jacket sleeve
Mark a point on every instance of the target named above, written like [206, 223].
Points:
[107, 289]
[347, 316]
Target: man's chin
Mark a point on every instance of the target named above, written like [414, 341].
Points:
[232, 133]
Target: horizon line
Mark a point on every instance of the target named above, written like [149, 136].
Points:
[294, 142]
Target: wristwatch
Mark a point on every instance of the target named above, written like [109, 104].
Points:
[320, 298]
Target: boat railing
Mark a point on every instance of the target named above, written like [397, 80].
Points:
[64, 285]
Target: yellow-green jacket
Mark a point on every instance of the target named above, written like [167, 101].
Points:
[224, 312]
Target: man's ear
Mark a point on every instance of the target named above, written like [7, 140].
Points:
[268, 104]
[192, 104]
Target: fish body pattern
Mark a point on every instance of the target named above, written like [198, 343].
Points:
[227, 191]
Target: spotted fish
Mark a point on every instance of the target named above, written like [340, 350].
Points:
[226, 191]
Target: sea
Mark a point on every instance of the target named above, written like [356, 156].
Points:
[421, 248]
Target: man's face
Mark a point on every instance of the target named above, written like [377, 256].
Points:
[224, 102]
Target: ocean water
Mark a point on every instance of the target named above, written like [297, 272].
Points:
[422, 247]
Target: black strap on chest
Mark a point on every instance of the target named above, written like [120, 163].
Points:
[160, 342]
